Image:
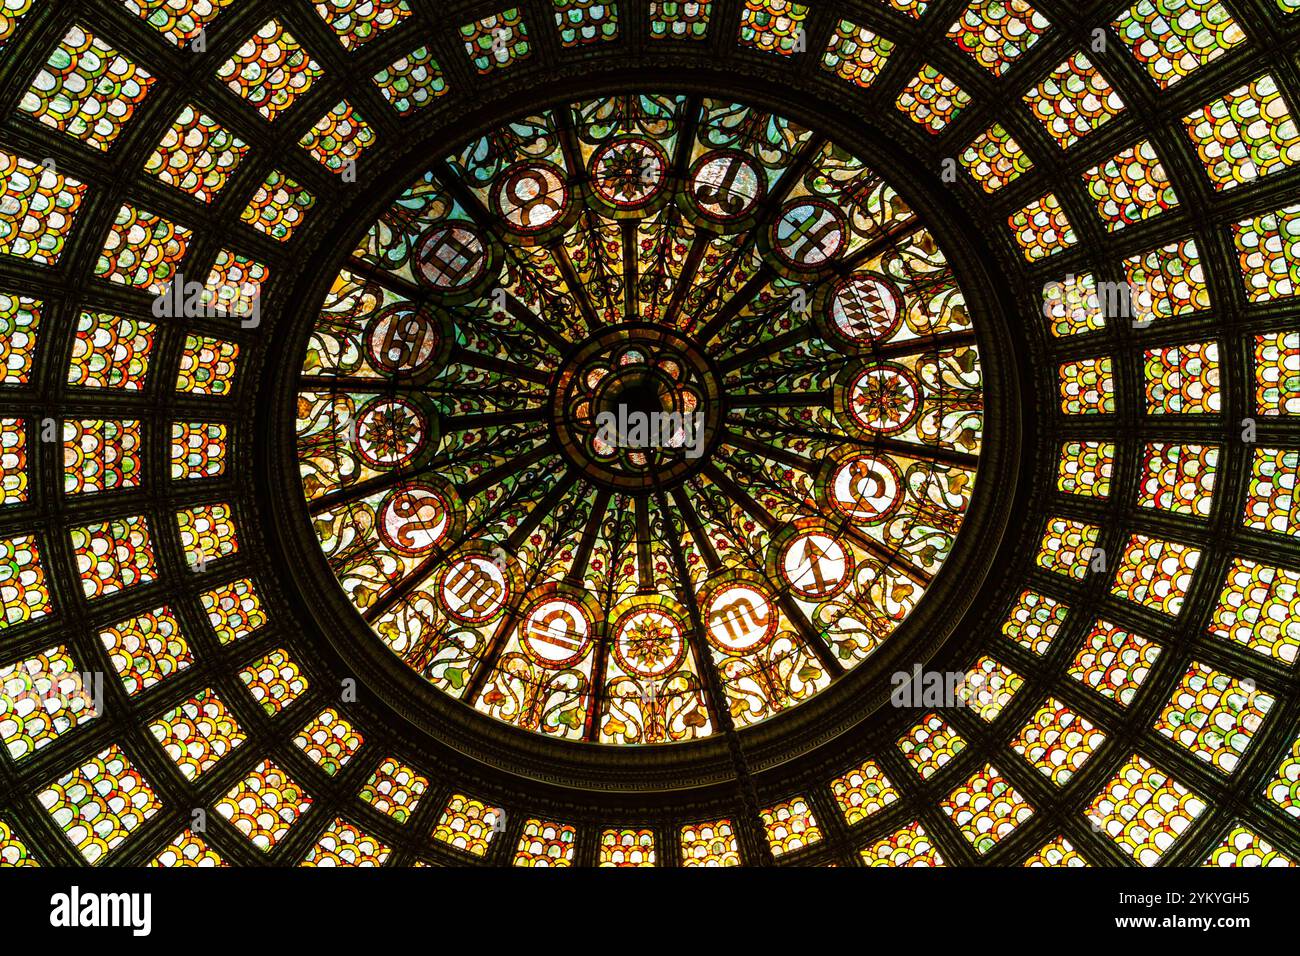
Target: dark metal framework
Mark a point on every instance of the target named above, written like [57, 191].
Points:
[733, 774]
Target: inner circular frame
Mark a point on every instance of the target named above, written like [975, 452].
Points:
[660, 472]
[816, 725]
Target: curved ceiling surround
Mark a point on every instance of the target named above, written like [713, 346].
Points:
[962, 528]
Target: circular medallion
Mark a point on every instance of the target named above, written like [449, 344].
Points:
[809, 233]
[452, 257]
[555, 632]
[649, 642]
[413, 519]
[582, 378]
[391, 432]
[636, 408]
[530, 197]
[866, 489]
[629, 173]
[884, 398]
[474, 589]
[863, 308]
[726, 185]
[816, 565]
[739, 617]
[405, 341]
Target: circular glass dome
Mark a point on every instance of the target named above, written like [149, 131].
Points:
[641, 418]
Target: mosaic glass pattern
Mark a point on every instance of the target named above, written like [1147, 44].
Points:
[112, 555]
[773, 26]
[20, 318]
[1057, 741]
[1178, 478]
[98, 804]
[1214, 715]
[208, 366]
[1130, 187]
[198, 733]
[863, 791]
[265, 805]
[1166, 282]
[357, 22]
[146, 649]
[680, 19]
[1156, 573]
[1075, 100]
[1259, 606]
[346, 844]
[180, 20]
[932, 99]
[197, 155]
[930, 745]
[1268, 250]
[11, 15]
[995, 159]
[1042, 228]
[585, 21]
[339, 137]
[275, 681]
[100, 455]
[43, 697]
[468, 824]
[188, 849]
[271, 70]
[13, 461]
[1060, 852]
[1271, 502]
[710, 844]
[1114, 662]
[1034, 621]
[1072, 306]
[234, 609]
[857, 54]
[1085, 468]
[395, 788]
[1172, 38]
[910, 846]
[413, 82]
[38, 210]
[1247, 133]
[994, 33]
[143, 250]
[790, 826]
[24, 593]
[1143, 810]
[330, 740]
[1183, 379]
[545, 844]
[1284, 789]
[986, 809]
[198, 450]
[1242, 847]
[111, 351]
[1067, 547]
[627, 847]
[87, 89]
[278, 207]
[498, 41]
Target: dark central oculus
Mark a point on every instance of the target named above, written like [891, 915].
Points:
[636, 408]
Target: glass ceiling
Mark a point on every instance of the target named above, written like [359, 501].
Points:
[764, 294]
[1131, 166]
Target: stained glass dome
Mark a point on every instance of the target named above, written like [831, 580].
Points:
[650, 434]
[759, 302]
